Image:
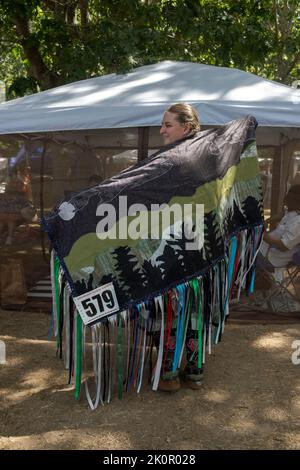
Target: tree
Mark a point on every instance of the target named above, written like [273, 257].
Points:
[285, 33]
[46, 43]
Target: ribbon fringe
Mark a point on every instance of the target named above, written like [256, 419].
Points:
[121, 345]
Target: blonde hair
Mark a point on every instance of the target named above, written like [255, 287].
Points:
[186, 114]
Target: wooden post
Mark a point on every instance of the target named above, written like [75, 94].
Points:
[276, 182]
[143, 142]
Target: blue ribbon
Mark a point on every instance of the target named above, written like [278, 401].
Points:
[233, 249]
[180, 325]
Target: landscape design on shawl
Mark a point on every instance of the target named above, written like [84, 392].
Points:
[217, 168]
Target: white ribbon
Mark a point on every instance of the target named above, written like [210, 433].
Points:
[159, 305]
[97, 361]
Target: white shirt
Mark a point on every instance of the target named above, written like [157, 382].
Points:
[288, 231]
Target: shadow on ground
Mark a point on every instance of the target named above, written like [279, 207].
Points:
[250, 397]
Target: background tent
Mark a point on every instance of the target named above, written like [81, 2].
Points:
[96, 119]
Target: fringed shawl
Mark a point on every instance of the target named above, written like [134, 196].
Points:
[125, 287]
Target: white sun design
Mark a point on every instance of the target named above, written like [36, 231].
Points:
[66, 211]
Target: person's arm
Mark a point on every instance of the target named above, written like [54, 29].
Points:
[274, 219]
[275, 243]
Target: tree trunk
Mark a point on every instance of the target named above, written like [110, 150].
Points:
[39, 71]
[84, 12]
[282, 12]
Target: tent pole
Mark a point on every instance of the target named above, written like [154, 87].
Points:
[42, 200]
[281, 171]
[276, 182]
[143, 142]
[289, 149]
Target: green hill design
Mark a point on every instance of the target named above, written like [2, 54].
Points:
[86, 247]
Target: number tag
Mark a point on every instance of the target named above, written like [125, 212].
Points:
[97, 303]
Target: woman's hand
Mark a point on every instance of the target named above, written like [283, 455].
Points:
[275, 219]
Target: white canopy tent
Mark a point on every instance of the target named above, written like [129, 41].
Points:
[125, 111]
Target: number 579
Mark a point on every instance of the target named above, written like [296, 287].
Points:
[99, 302]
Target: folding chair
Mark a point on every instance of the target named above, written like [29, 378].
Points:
[293, 274]
[283, 294]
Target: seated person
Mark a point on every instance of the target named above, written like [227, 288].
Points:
[280, 245]
[276, 252]
[14, 208]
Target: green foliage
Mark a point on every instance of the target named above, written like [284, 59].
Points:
[48, 43]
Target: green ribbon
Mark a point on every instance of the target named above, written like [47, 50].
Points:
[57, 295]
[200, 330]
[78, 356]
[198, 301]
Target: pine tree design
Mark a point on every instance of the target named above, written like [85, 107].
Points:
[84, 285]
[192, 260]
[252, 209]
[129, 271]
[234, 219]
[172, 266]
[214, 245]
[153, 274]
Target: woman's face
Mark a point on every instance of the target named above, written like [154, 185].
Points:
[171, 129]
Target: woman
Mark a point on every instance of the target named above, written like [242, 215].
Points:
[14, 208]
[276, 252]
[179, 122]
[280, 245]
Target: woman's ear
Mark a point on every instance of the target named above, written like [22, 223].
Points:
[187, 128]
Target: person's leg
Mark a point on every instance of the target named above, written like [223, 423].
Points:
[264, 271]
[192, 375]
[169, 379]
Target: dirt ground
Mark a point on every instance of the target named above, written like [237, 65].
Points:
[250, 397]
